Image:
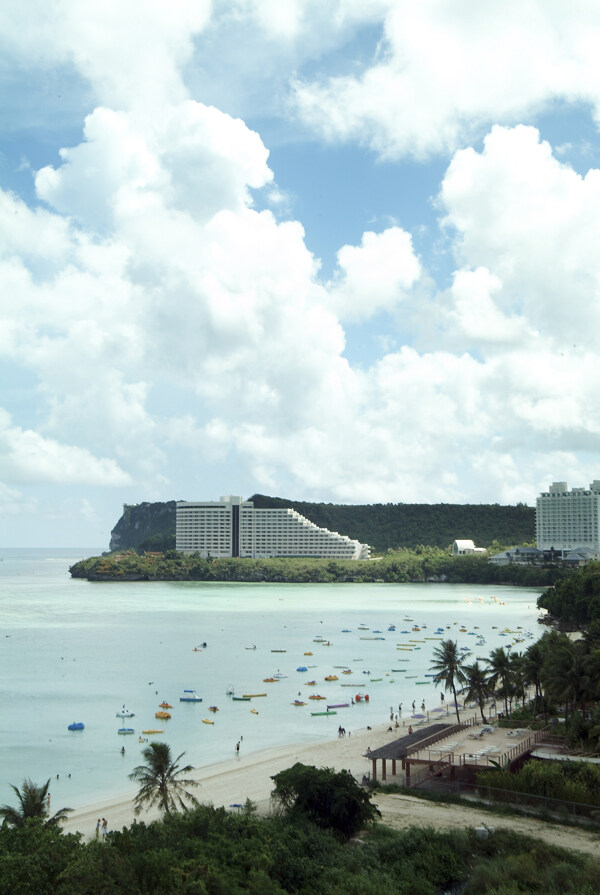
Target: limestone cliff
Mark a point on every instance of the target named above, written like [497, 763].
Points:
[148, 524]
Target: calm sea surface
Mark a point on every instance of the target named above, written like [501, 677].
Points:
[73, 650]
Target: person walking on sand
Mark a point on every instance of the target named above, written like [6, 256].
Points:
[98, 825]
[104, 827]
[237, 748]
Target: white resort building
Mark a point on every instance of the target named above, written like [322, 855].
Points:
[466, 548]
[568, 521]
[235, 527]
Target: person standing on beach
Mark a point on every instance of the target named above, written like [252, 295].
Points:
[237, 748]
[98, 828]
[104, 827]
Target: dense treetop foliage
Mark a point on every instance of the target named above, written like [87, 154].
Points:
[330, 799]
[575, 600]
[151, 526]
[209, 851]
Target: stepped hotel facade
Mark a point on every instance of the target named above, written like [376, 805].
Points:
[235, 527]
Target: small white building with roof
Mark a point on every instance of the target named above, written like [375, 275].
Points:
[466, 548]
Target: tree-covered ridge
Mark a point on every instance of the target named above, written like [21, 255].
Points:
[151, 526]
[392, 525]
[420, 565]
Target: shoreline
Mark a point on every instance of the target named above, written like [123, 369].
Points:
[228, 783]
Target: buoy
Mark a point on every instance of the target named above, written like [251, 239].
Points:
[358, 697]
[366, 697]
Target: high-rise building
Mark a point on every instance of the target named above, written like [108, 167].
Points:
[566, 520]
[235, 527]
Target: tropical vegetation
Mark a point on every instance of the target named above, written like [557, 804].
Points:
[419, 565]
[208, 851]
[558, 781]
[447, 665]
[574, 600]
[330, 799]
[34, 802]
[161, 780]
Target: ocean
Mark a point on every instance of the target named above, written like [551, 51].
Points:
[77, 651]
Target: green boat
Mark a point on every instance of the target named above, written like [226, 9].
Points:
[323, 713]
[240, 698]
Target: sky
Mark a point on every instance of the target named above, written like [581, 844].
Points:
[344, 252]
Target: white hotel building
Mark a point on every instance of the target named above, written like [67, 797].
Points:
[567, 520]
[235, 527]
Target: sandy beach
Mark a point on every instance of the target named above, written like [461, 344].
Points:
[244, 777]
[229, 783]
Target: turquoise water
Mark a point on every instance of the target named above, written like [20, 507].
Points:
[77, 651]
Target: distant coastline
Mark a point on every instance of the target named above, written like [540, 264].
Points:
[427, 565]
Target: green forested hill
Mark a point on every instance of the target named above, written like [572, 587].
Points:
[151, 526]
[387, 525]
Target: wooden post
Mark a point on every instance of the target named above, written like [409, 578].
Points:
[374, 769]
[383, 774]
[393, 767]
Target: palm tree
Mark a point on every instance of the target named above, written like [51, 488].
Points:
[477, 688]
[499, 673]
[34, 801]
[448, 667]
[161, 782]
[533, 668]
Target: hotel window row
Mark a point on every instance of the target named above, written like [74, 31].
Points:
[233, 527]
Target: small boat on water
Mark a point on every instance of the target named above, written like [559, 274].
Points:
[270, 680]
[240, 698]
[310, 684]
[301, 668]
[165, 705]
[162, 716]
[317, 696]
[339, 705]
[254, 711]
[331, 677]
[152, 730]
[213, 708]
[308, 653]
[190, 696]
[76, 725]
[125, 731]
[207, 721]
[323, 713]
[124, 713]
[298, 702]
[279, 651]
[229, 691]
[253, 695]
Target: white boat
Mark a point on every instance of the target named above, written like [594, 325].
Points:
[190, 696]
[125, 713]
[229, 691]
